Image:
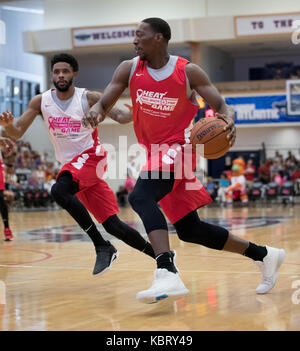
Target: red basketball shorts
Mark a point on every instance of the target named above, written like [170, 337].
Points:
[188, 194]
[87, 170]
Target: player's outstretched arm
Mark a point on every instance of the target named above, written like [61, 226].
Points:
[110, 96]
[121, 116]
[16, 129]
[117, 114]
[200, 82]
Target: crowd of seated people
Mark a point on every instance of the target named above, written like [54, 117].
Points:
[277, 177]
[28, 177]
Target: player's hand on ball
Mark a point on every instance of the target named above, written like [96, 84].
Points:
[229, 126]
[6, 119]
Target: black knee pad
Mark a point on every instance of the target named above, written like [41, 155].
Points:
[2, 197]
[191, 229]
[58, 194]
[136, 201]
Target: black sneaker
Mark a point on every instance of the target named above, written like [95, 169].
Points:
[106, 255]
[173, 257]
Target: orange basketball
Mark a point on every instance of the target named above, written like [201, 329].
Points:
[210, 132]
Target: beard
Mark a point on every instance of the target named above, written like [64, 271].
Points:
[66, 87]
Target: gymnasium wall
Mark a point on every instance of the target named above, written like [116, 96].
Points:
[12, 55]
[282, 139]
[117, 11]
[254, 7]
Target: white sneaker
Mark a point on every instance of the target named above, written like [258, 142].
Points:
[165, 284]
[269, 269]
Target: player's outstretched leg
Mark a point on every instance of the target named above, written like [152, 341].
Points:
[167, 282]
[63, 193]
[114, 226]
[269, 259]
[8, 235]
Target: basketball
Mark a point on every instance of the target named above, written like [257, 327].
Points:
[210, 132]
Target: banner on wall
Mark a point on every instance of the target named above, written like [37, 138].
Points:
[95, 36]
[262, 109]
[265, 24]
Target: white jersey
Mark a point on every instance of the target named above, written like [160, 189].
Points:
[68, 136]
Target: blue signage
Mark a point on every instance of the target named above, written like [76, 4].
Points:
[262, 109]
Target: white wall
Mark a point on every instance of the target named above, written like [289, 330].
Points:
[217, 64]
[69, 13]
[275, 138]
[253, 7]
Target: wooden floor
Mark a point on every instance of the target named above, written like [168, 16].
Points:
[46, 280]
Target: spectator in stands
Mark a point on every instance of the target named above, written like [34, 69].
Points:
[295, 178]
[296, 174]
[280, 178]
[274, 169]
[39, 174]
[295, 74]
[249, 173]
[278, 74]
[264, 173]
[211, 188]
[125, 190]
[12, 185]
[291, 157]
[49, 170]
[290, 167]
[277, 157]
[223, 184]
[37, 159]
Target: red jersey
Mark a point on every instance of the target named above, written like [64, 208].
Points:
[161, 109]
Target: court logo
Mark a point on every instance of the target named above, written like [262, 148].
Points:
[74, 232]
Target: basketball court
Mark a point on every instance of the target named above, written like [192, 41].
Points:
[46, 280]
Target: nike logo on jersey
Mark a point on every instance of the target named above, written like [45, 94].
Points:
[139, 74]
[47, 105]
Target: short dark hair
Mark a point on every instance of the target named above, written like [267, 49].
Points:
[65, 58]
[158, 25]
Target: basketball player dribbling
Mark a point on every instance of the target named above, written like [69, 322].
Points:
[161, 88]
[79, 151]
[5, 145]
